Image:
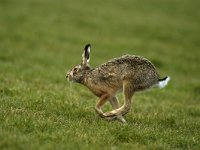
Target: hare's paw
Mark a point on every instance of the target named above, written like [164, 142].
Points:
[110, 113]
[110, 118]
[119, 118]
[99, 112]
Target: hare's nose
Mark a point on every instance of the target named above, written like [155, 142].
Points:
[67, 75]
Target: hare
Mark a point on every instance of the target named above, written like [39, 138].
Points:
[127, 73]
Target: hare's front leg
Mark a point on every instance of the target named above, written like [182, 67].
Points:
[103, 99]
[114, 102]
[128, 93]
[115, 105]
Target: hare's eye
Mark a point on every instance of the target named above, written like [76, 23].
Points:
[75, 69]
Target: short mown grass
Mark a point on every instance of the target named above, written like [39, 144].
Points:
[41, 39]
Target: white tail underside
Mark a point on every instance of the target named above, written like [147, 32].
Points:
[162, 84]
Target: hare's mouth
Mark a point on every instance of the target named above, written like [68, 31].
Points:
[69, 77]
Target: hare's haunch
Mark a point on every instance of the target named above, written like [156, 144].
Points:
[128, 73]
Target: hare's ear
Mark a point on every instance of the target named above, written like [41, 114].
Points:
[86, 55]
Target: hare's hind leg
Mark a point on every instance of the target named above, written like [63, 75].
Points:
[128, 93]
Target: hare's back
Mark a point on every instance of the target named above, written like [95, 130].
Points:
[135, 68]
[128, 65]
[130, 62]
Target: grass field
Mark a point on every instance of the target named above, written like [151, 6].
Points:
[41, 39]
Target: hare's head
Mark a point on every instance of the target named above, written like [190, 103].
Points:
[78, 72]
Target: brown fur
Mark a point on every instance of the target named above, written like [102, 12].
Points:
[128, 73]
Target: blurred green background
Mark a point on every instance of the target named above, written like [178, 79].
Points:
[40, 40]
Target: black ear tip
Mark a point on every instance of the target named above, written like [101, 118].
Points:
[87, 46]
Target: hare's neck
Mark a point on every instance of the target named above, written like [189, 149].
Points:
[88, 78]
[92, 83]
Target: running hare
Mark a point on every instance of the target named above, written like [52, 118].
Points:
[128, 73]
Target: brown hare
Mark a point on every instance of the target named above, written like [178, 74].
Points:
[128, 73]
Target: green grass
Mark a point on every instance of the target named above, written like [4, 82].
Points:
[41, 39]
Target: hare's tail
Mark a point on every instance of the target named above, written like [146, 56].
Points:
[163, 82]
